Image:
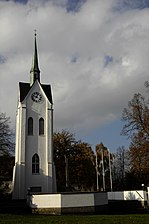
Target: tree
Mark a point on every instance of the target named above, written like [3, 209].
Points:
[104, 161]
[136, 117]
[74, 161]
[82, 168]
[6, 136]
[139, 157]
[6, 148]
[120, 168]
[63, 148]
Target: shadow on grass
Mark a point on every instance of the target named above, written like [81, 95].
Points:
[9, 206]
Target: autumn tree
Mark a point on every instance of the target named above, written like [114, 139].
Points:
[82, 168]
[64, 148]
[136, 118]
[139, 157]
[74, 161]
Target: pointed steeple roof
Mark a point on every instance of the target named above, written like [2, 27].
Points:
[34, 75]
[34, 72]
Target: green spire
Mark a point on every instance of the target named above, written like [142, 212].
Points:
[34, 72]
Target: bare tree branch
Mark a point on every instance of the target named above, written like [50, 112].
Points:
[6, 136]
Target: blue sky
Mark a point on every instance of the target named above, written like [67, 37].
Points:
[94, 53]
[74, 5]
[132, 4]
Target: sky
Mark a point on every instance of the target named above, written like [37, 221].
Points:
[94, 53]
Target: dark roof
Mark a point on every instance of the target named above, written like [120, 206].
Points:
[47, 90]
[25, 88]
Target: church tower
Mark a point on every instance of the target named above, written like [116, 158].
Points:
[34, 168]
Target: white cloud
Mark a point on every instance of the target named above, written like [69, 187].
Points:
[87, 92]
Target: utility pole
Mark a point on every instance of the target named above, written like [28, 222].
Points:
[103, 171]
[110, 170]
[97, 179]
[66, 173]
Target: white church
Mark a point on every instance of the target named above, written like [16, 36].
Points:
[34, 169]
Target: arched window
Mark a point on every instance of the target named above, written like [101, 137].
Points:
[30, 126]
[35, 164]
[41, 126]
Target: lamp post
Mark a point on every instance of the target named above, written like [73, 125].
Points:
[110, 170]
[142, 186]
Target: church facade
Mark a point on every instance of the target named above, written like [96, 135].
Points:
[34, 169]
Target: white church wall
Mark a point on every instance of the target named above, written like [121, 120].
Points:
[19, 168]
[36, 143]
[27, 146]
[36, 102]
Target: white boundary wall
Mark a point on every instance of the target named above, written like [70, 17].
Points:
[128, 195]
[69, 202]
[44, 201]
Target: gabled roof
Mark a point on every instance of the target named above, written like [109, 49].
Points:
[48, 92]
[25, 88]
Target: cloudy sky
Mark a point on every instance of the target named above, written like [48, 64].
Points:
[94, 53]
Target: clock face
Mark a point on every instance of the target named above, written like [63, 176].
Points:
[36, 97]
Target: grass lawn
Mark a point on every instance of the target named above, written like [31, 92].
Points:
[75, 219]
